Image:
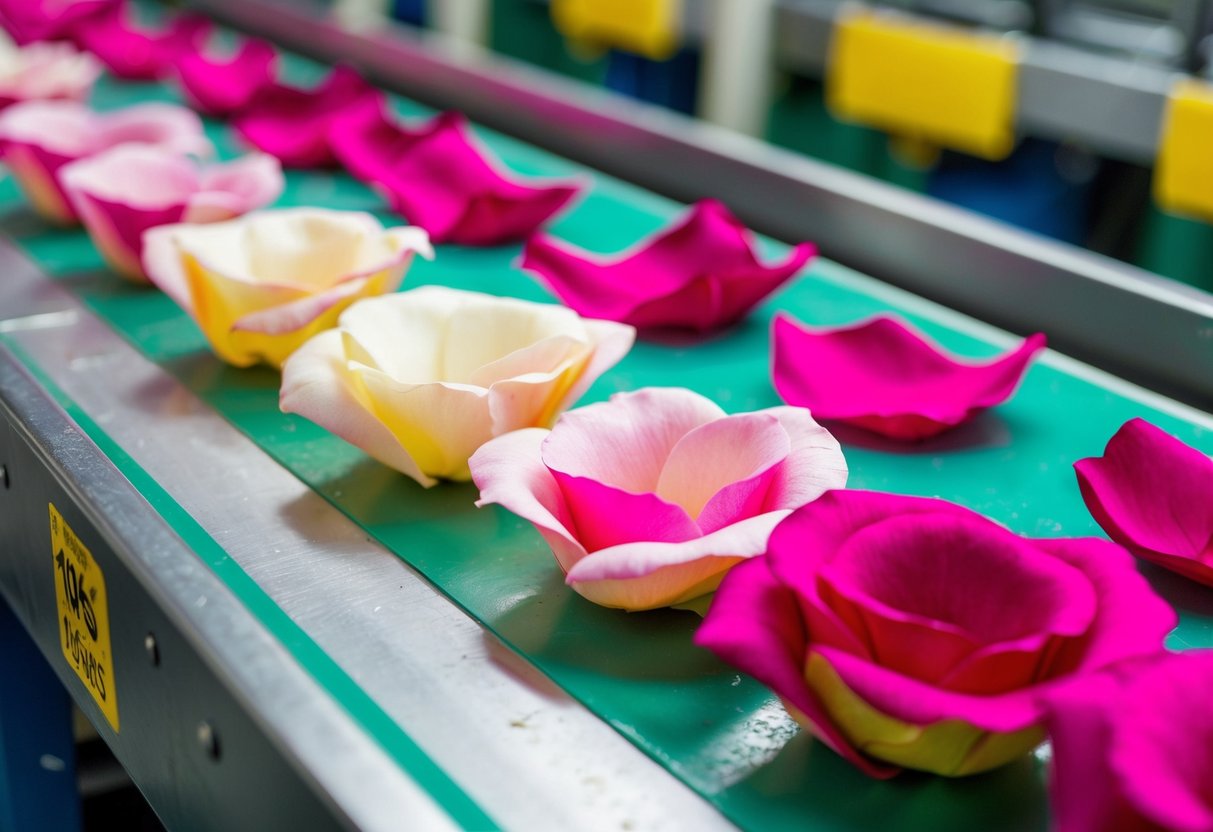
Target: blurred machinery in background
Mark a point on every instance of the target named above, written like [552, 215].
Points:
[1091, 101]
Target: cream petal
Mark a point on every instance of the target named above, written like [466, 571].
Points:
[318, 385]
[440, 425]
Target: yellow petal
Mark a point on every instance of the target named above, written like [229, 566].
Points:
[953, 748]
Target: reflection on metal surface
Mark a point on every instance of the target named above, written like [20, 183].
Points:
[449, 684]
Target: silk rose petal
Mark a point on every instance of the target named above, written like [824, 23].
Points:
[421, 379]
[138, 54]
[1133, 749]
[910, 632]
[296, 125]
[45, 71]
[701, 274]
[38, 138]
[261, 285]
[1144, 492]
[221, 86]
[647, 500]
[123, 192]
[27, 21]
[884, 376]
[440, 178]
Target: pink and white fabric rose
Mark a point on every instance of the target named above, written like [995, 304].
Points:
[911, 632]
[45, 71]
[123, 192]
[39, 138]
[647, 500]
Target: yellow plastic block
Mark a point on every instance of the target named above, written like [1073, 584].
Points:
[925, 81]
[1183, 177]
[642, 27]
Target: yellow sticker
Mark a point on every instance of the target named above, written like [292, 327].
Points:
[84, 623]
[925, 81]
[1183, 177]
[642, 27]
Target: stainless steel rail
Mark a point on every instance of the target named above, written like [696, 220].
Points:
[1123, 319]
[292, 755]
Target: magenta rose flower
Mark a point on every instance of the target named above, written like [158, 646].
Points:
[911, 632]
[27, 21]
[883, 376]
[1133, 750]
[648, 499]
[1153, 495]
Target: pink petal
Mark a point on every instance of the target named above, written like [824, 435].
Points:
[724, 468]
[754, 624]
[814, 465]
[885, 377]
[442, 180]
[132, 188]
[221, 87]
[168, 126]
[315, 381]
[139, 54]
[1141, 492]
[701, 274]
[27, 21]
[604, 516]
[295, 315]
[235, 188]
[296, 124]
[649, 574]
[508, 471]
[624, 443]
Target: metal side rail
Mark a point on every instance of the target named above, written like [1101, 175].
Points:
[1152, 331]
[221, 727]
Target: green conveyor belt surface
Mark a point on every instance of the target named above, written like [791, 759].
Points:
[721, 733]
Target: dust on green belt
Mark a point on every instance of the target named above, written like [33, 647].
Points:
[720, 733]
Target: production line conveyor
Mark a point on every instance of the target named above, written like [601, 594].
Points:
[299, 638]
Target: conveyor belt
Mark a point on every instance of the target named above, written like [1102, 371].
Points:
[294, 526]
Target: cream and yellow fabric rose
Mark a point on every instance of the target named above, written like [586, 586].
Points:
[261, 285]
[421, 379]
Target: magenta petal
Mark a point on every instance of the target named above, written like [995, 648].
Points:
[441, 179]
[138, 54]
[701, 274]
[27, 21]
[296, 124]
[755, 626]
[885, 377]
[606, 516]
[1133, 748]
[221, 87]
[1142, 492]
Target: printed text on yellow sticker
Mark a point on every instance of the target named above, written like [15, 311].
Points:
[1183, 177]
[925, 81]
[84, 623]
[643, 27]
